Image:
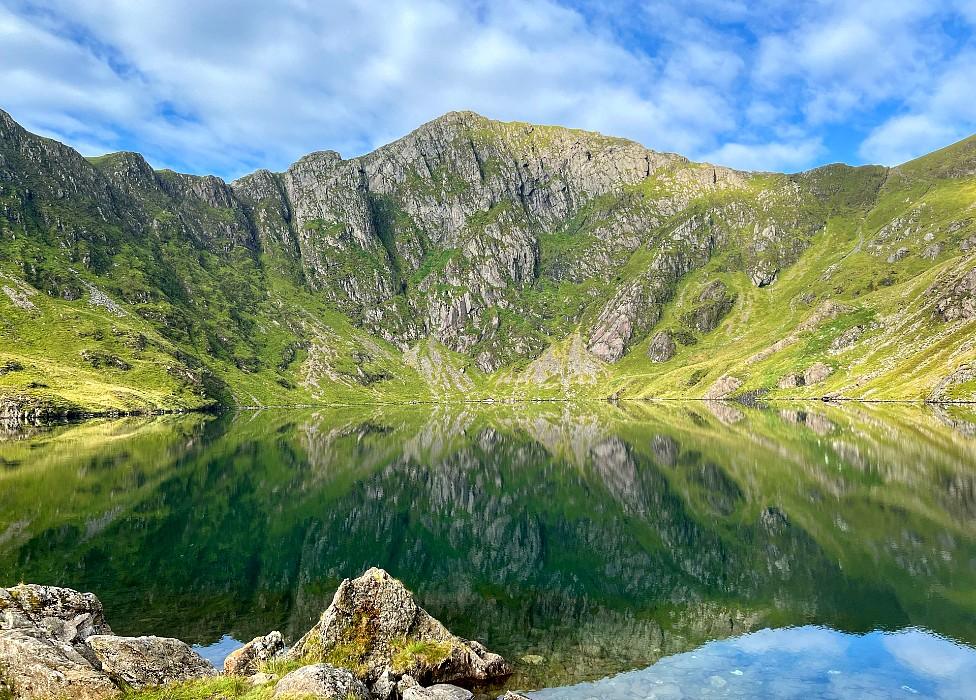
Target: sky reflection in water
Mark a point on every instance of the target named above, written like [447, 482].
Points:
[798, 662]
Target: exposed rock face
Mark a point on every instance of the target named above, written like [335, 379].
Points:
[377, 628]
[847, 339]
[714, 302]
[662, 347]
[723, 387]
[321, 681]
[147, 661]
[791, 381]
[817, 372]
[959, 303]
[245, 661]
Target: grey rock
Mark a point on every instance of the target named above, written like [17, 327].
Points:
[512, 695]
[714, 303]
[321, 681]
[816, 372]
[378, 611]
[847, 339]
[65, 614]
[147, 661]
[764, 275]
[662, 347]
[37, 666]
[958, 301]
[899, 254]
[441, 691]
[791, 381]
[245, 661]
[723, 387]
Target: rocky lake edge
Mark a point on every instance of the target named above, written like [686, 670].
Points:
[374, 642]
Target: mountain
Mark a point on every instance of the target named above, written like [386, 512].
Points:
[475, 259]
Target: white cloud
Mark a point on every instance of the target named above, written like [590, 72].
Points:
[775, 156]
[233, 85]
[935, 117]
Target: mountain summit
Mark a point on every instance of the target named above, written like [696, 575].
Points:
[479, 259]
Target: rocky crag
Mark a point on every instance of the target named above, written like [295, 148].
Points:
[372, 643]
[478, 259]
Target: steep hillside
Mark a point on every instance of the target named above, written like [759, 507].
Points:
[475, 259]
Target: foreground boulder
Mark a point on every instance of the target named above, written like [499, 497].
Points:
[321, 681]
[66, 615]
[246, 660]
[55, 642]
[375, 627]
[35, 665]
[147, 661]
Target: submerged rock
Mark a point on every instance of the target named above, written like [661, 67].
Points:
[321, 681]
[147, 661]
[375, 627]
[245, 661]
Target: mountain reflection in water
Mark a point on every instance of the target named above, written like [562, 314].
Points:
[580, 541]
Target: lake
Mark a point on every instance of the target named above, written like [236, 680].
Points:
[632, 550]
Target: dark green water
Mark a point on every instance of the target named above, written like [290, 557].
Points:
[592, 540]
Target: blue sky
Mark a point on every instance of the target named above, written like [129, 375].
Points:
[225, 87]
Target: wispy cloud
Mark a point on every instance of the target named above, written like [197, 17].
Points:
[230, 86]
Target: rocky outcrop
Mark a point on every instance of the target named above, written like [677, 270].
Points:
[246, 660]
[958, 303]
[816, 372]
[723, 388]
[321, 681]
[375, 627]
[714, 303]
[662, 347]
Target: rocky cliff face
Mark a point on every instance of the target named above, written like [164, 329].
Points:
[496, 240]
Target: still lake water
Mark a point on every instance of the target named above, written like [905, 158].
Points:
[612, 551]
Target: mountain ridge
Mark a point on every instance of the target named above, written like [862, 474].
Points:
[478, 259]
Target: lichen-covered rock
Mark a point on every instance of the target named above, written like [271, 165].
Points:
[375, 627]
[147, 661]
[65, 614]
[36, 666]
[321, 681]
[662, 347]
[245, 661]
[512, 695]
[816, 372]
